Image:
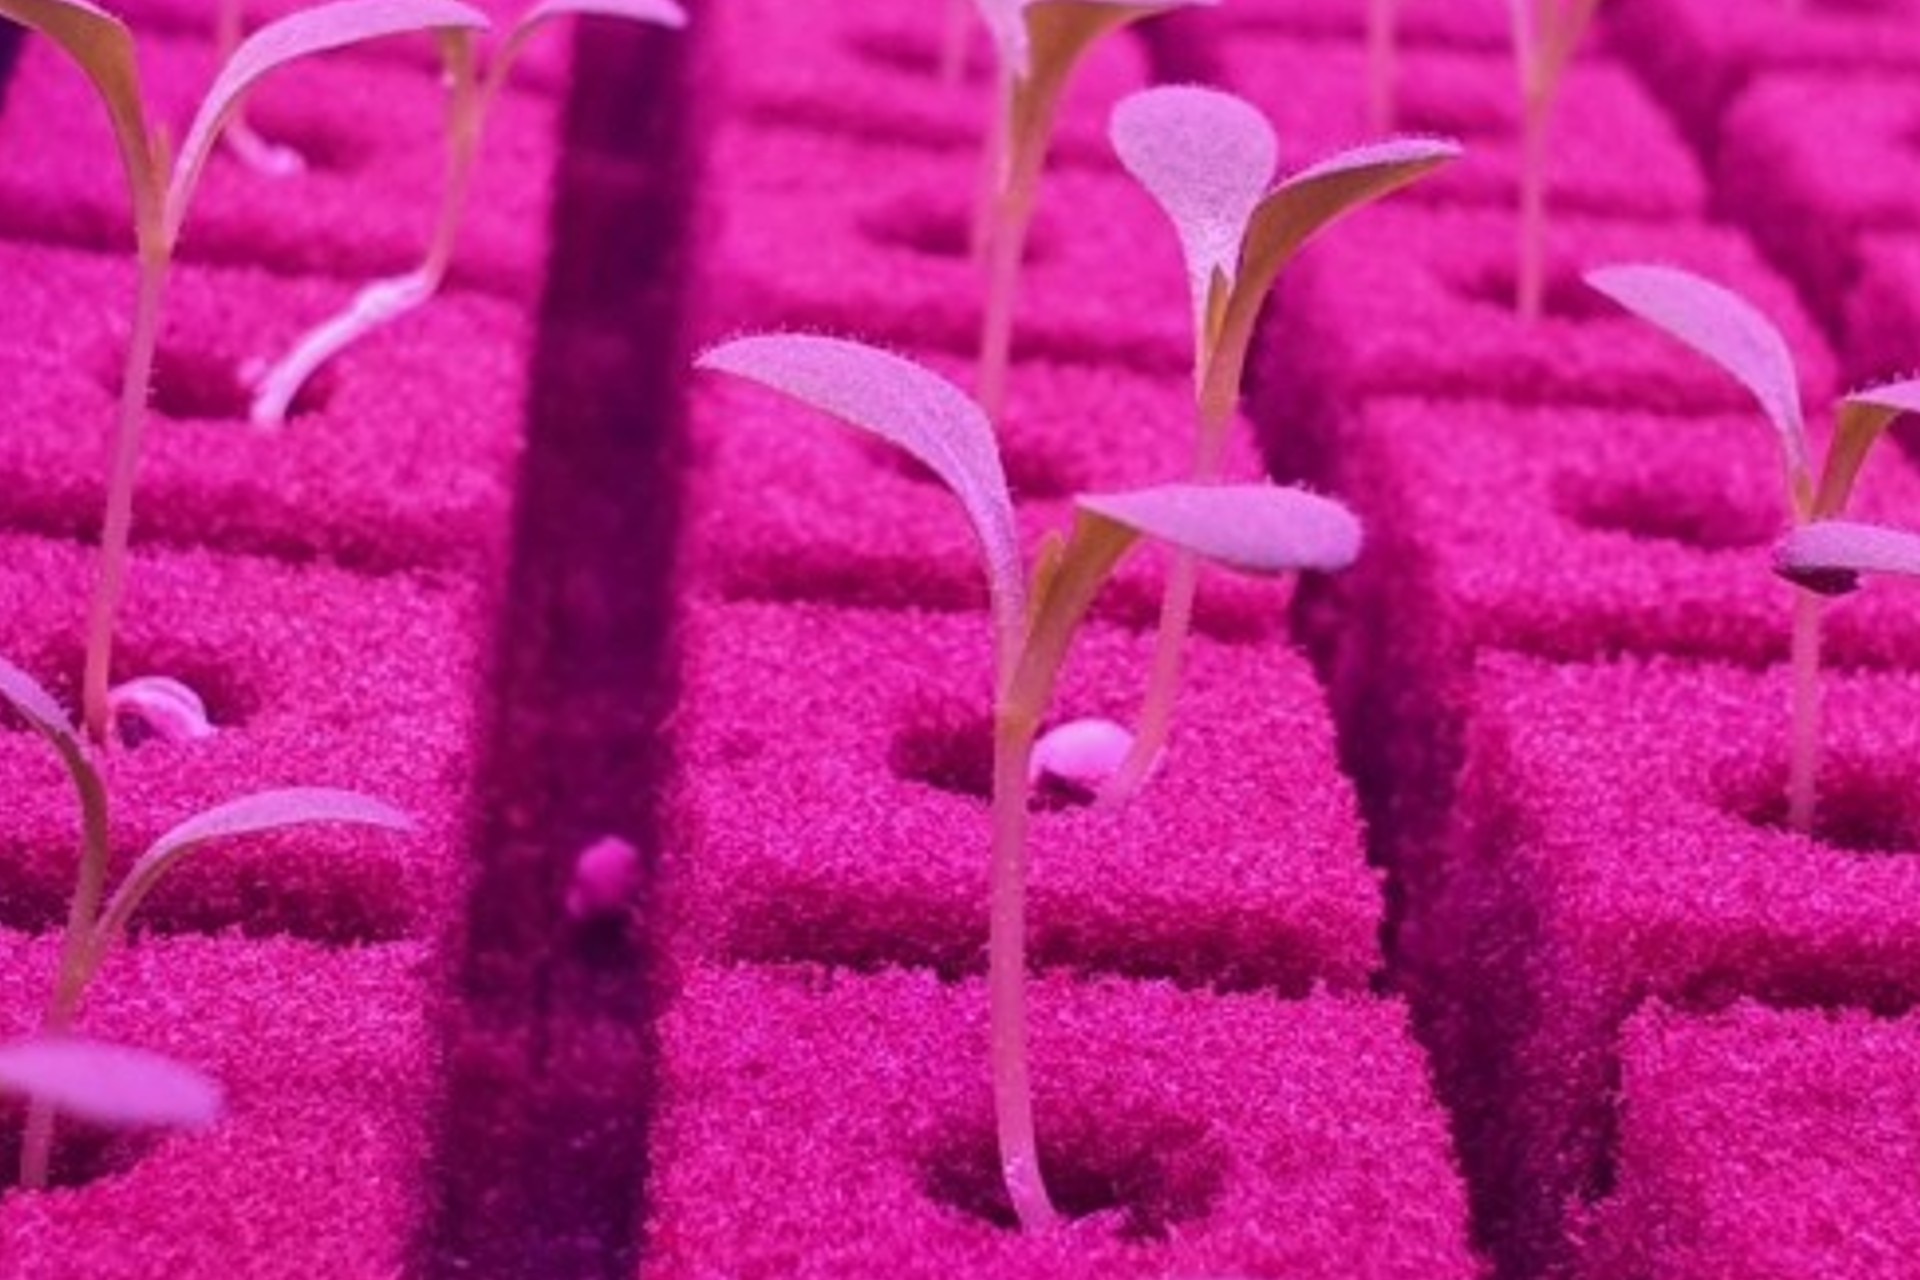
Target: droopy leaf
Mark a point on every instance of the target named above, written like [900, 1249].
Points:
[1728, 330]
[40, 709]
[103, 46]
[908, 406]
[1254, 528]
[1828, 556]
[303, 32]
[109, 1084]
[1206, 158]
[663, 13]
[1863, 416]
[249, 815]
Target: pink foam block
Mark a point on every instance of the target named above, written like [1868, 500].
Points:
[1761, 1142]
[832, 806]
[1883, 311]
[1613, 151]
[818, 1125]
[874, 73]
[1699, 55]
[326, 1060]
[376, 139]
[872, 242]
[1420, 23]
[1401, 302]
[1616, 839]
[791, 505]
[1570, 534]
[1810, 163]
[312, 678]
[402, 453]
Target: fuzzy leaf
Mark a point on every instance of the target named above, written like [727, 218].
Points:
[1206, 158]
[303, 32]
[1254, 528]
[908, 406]
[1863, 416]
[1828, 556]
[1728, 330]
[109, 1084]
[32, 701]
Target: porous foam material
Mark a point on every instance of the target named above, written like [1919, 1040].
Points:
[1613, 152]
[408, 456]
[1420, 302]
[1810, 163]
[816, 1124]
[1757, 1142]
[376, 139]
[789, 504]
[326, 1057]
[1697, 56]
[873, 72]
[1420, 23]
[1571, 535]
[312, 678]
[1883, 311]
[1616, 839]
[819, 232]
[832, 805]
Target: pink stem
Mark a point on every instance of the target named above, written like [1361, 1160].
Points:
[1804, 762]
[1382, 41]
[1530, 281]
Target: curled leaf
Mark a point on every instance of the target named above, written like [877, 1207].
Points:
[1828, 556]
[110, 1084]
[1864, 415]
[1254, 528]
[168, 708]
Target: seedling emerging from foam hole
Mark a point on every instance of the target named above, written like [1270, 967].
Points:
[471, 94]
[1037, 44]
[1208, 160]
[1254, 528]
[93, 928]
[1546, 33]
[1725, 328]
[162, 185]
[109, 1084]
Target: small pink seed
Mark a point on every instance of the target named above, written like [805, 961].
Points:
[606, 876]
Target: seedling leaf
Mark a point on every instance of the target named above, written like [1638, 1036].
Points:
[110, 1084]
[1254, 528]
[1828, 556]
[39, 707]
[663, 13]
[1206, 158]
[1863, 416]
[908, 406]
[47, 717]
[303, 32]
[1728, 330]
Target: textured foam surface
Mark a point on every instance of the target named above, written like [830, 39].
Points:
[1613, 152]
[832, 806]
[792, 505]
[1444, 23]
[327, 1062]
[1810, 163]
[818, 1125]
[872, 242]
[873, 72]
[1420, 302]
[313, 678]
[1698, 55]
[376, 136]
[1883, 311]
[1760, 1143]
[1616, 841]
[402, 453]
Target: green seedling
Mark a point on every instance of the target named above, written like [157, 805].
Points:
[109, 1084]
[162, 183]
[471, 95]
[1546, 34]
[1383, 56]
[1729, 331]
[1208, 159]
[1253, 528]
[93, 928]
[1037, 44]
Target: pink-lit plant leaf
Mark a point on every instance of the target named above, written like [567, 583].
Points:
[1251, 528]
[1728, 330]
[109, 1084]
[168, 708]
[38, 707]
[1863, 417]
[1828, 556]
[661, 13]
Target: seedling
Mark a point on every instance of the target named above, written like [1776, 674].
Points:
[93, 928]
[1253, 528]
[1037, 44]
[471, 94]
[243, 141]
[1208, 160]
[1546, 34]
[162, 184]
[1729, 331]
[1383, 48]
[109, 1084]
[1828, 556]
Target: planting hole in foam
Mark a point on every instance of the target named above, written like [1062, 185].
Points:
[950, 748]
[1566, 298]
[85, 1153]
[1132, 1171]
[194, 385]
[943, 230]
[900, 51]
[1861, 809]
[1463, 118]
[231, 699]
[1688, 507]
